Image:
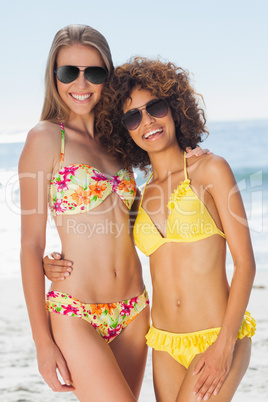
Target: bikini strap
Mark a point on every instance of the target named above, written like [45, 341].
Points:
[145, 187]
[62, 145]
[185, 167]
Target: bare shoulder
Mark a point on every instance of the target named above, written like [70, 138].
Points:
[214, 169]
[44, 133]
[42, 144]
[209, 163]
[215, 163]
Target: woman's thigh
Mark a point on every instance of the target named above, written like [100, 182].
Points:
[130, 350]
[94, 370]
[168, 376]
[241, 358]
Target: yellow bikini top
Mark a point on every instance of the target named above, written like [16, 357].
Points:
[188, 220]
[79, 188]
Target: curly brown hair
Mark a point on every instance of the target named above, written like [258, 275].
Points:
[163, 80]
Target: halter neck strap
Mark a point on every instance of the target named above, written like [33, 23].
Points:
[185, 167]
[62, 145]
[145, 187]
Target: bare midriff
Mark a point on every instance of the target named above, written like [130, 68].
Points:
[190, 287]
[106, 267]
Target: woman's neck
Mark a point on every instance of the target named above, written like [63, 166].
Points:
[82, 123]
[166, 162]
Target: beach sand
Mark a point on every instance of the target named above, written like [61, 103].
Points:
[20, 380]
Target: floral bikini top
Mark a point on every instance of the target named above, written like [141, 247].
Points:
[188, 220]
[75, 189]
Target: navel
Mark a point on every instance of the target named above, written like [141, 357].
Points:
[178, 303]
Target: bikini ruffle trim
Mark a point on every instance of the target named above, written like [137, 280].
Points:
[248, 327]
[196, 341]
[180, 192]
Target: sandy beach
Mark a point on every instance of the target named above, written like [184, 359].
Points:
[20, 380]
[19, 377]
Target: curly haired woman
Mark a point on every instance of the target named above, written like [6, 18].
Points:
[189, 211]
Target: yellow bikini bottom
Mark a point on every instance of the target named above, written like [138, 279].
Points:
[184, 347]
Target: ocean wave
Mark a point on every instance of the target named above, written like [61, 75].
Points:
[13, 137]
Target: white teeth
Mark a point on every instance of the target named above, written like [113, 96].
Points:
[81, 97]
[152, 133]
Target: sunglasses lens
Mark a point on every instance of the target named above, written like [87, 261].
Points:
[67, 74]
[131, 120]
[157, 108]
[95, 75]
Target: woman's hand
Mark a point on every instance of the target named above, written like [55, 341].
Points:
[50, 360]
[55, 268]
[196, 152]
[214, 365]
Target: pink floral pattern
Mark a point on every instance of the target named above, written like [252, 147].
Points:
[80, 188]
[108, 319]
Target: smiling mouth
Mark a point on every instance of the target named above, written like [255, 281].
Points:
[81, 97]
[152, 133]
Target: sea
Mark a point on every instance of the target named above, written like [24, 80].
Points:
[244, 144]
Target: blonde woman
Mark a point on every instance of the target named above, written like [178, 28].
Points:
[98, 317]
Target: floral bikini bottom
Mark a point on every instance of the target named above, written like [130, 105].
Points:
[107, 318]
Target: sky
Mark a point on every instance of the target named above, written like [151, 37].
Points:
[223, 44]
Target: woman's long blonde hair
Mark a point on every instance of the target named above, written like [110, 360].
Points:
[54, 107]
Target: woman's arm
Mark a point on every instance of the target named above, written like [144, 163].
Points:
[224, 190]
[35, 166]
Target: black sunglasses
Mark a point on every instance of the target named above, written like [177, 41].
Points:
[155, 108]
[67, 74]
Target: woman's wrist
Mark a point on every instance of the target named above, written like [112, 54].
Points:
[227, 338]
[43, 340]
